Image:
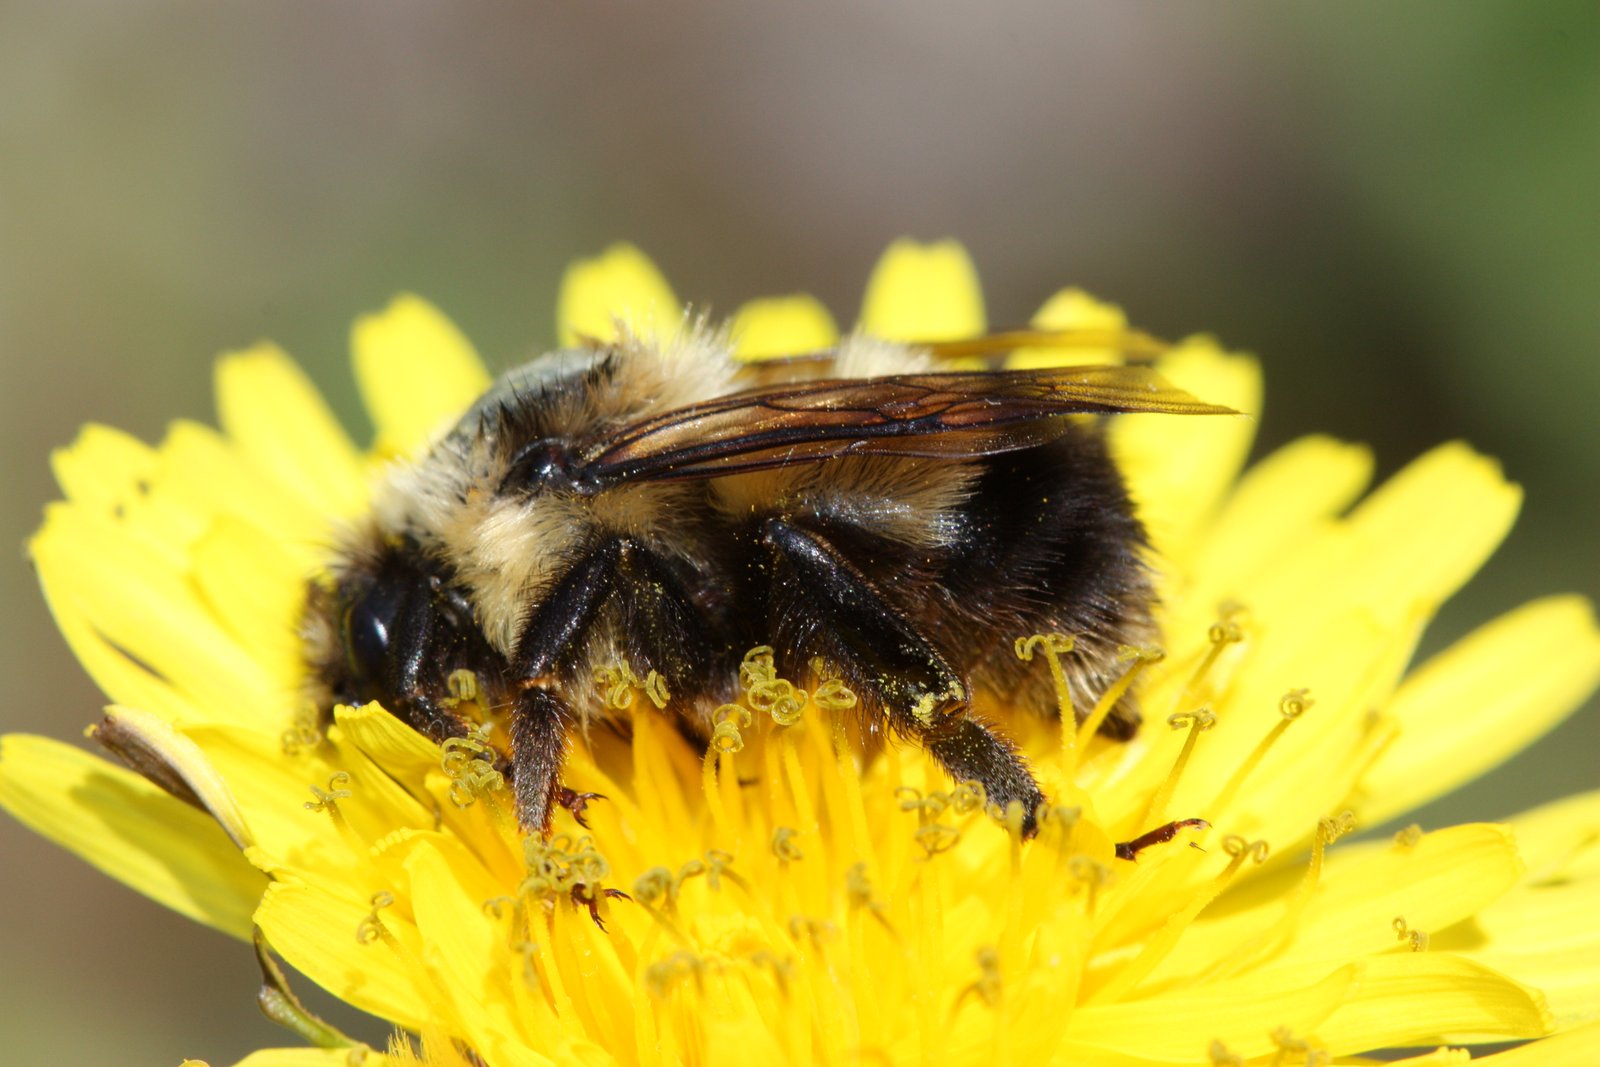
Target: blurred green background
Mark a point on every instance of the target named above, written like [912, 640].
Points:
[1394, 205]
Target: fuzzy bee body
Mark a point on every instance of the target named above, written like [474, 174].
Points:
[644, 503]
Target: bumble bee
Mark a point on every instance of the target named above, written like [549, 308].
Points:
[665, 505]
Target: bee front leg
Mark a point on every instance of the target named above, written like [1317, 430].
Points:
[539, 717]
[822, 601]
[397, 643]
[538, 751]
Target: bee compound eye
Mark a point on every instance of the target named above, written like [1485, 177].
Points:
[368, 630]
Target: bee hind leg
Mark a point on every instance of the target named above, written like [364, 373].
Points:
[891, 664]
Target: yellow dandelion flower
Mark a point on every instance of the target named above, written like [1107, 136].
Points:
[780, 897]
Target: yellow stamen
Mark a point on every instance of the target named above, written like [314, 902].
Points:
[303, 734]
[469, 763]
[1222, 1057]
[1054, 646]
[1161, 944]
[1224, 632]
[717, 766]
[656, 891]
[937, 837]
[1198, 721]
[1417, 938]
[1294, 704]
[1328, 831]
[1141, 658]
[328, 800]
[794, 773]
[617, 682]
[655, 687]
[834, 696]
[1408, 838]
[371, 928]
[783, 845]
[1314, 1055]
[1092, 874]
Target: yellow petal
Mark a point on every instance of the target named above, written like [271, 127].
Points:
[117, 479]
[1561, 839]
[107, 590]
[102, 469]
[204, 473]
[1428, 529]
[448, 904]
[1072, 309]
[401, 751]
[1182, 1025]
[112, 670]
[417, 372]
[277, 794]
[1543, 933]
[1580, 1046]
[923, 292]
[1425, 998]
[145, 838]
[782, 325]
[1179, 467]
[315, 928]
[1444, 877]
[256, 591]
[1485, 698]
[620, 283]
[301, 1057]
[279, 420]
[1277, 501]
[142, 739]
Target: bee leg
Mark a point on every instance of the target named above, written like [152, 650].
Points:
[656, 613]
[577, 803]
[416, 644]
[538, 730]
[884, 657]
[539, 717]
[586, 897]
[1128, 850]
[970, 751]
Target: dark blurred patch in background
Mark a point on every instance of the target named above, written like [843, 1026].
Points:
[1395, 206]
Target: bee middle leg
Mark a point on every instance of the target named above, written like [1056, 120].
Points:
[823, 602]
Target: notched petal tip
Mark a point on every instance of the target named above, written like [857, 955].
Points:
[619, 284]
[782, 325]
[924, 292]
[416, 370]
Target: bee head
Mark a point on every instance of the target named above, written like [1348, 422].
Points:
[374, 628]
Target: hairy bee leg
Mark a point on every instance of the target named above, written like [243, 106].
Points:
[538, 749]
[969, 751]
[881, 652]
[567, 613]
[539, 717]
[415, 641]
[1128, 850]
[660, 614]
